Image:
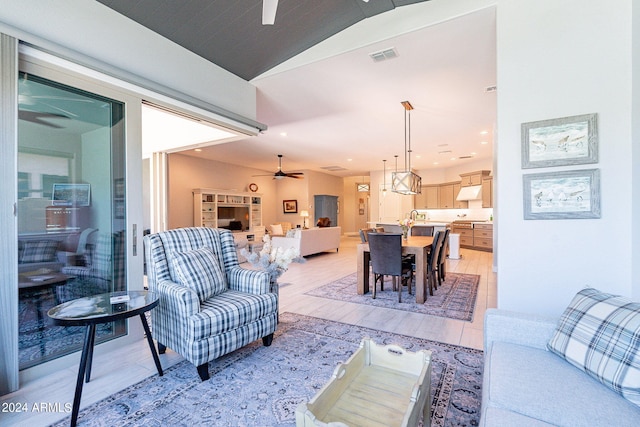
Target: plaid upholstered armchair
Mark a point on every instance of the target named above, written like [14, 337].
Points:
[209, 305]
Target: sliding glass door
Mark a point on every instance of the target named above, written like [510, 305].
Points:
[71, 210]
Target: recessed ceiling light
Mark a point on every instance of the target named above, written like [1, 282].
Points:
[436, 163]
[473, 153]
[418, 156]
[453, 158]
[198, 150]
[349, 160]
[283, 134]
[484, 142]
[484, 132]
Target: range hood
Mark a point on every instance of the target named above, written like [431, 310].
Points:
[473, 192]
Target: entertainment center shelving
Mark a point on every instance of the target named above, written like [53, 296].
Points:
[220, 208]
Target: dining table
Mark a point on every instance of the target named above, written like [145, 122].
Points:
[418, 246]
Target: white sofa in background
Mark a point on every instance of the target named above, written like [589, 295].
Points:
[311, 241]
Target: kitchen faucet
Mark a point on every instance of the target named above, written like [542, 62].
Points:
[411, 214]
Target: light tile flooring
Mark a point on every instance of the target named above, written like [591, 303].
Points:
[128, 365]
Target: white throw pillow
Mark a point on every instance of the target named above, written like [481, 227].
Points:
[276, 229]
[599, 333]
[199, 270]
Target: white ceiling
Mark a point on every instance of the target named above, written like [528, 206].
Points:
[344, 110]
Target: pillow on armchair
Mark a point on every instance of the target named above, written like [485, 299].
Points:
[276, 229]
[199, 270]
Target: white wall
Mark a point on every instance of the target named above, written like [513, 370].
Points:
[187, 173]
[558, 59]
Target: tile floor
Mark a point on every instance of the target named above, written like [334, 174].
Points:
[108, 377]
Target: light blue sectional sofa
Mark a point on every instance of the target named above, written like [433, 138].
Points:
[525, 384]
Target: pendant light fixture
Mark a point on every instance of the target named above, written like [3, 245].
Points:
[384, 177]
[406, 182]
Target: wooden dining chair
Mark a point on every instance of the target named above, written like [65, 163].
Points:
[386, 260]
[422, 230]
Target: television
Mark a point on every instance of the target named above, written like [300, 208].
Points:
[71, 194]
[234, 218]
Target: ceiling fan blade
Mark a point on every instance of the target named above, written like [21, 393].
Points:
[294, 176]
[269, 8]
[34, 117]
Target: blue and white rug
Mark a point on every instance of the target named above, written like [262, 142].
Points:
[455, 299]
[262, 386]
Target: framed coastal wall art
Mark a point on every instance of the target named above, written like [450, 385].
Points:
[562, 195]
[560, 142]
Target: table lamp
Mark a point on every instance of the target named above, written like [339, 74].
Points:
[304, 215]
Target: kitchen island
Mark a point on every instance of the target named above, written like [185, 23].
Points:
[394, 227]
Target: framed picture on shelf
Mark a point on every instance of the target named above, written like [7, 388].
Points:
[562, 195]
[560, 142]
[290, 206]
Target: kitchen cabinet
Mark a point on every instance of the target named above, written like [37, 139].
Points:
[473, 178]
[447, 196]
[428, 198]
[466, 236]
[483, 236]
[487, 192]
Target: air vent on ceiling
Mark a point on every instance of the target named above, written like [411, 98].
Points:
[333, 168]
[465, 157]
[384, 54]
[491, 89]
[444, 152]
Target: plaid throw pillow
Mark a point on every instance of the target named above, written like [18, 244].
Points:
[199, 270]
[39, 251]
[599, 333]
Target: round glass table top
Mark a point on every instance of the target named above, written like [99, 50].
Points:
[103, 307]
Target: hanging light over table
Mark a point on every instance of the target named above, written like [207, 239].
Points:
[384, 177]
[406, 182]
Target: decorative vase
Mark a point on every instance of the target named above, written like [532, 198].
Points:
[405, 232]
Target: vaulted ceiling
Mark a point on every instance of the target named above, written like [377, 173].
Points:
[229, 32]
[337, 110]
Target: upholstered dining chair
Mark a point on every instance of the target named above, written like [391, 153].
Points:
[386, 260]
[426, 230]
[432, 261]
[209, 305]
[442, 257]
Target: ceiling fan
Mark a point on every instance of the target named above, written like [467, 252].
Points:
[279, 174]
[269, 8]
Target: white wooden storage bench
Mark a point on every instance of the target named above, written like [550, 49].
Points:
[378, 386]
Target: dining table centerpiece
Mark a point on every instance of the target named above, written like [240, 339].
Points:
[273, 260]
[406, 225]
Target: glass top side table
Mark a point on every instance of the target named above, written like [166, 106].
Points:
[103, 308]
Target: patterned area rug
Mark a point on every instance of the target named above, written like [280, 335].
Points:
[262, 386]
[455, 299]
